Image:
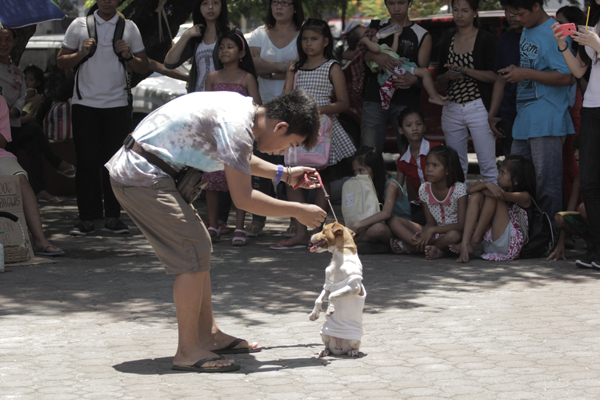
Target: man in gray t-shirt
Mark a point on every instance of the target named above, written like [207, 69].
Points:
[209, 131]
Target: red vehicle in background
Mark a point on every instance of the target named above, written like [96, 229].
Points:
[439, 26]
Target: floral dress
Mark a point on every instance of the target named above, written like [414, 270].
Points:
[517, 218]
[217, 180]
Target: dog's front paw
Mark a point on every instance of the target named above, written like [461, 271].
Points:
[330, 310]
[324, 352]
[314, 316]
[353, 353]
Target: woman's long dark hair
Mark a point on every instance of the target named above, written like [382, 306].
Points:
[321, 27]
[298, 17]
[221, 24]
[370, 157]
[575, 15]
[246, 64]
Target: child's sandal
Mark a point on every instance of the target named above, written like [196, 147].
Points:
[216, 238]
[398, 247]
[239, 240]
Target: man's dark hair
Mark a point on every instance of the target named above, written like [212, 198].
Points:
[524, 4]
[300, 111]
[298, 15]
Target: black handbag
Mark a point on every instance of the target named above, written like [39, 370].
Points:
[539, 240]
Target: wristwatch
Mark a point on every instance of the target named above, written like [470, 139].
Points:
[131, 57]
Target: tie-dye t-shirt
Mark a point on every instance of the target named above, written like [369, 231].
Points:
[203, 130]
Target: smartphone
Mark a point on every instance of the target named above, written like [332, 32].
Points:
[455, 71]
[567, 29]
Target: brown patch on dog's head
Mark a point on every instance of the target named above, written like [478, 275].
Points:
[333, 236]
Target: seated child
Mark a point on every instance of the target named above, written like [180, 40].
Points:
[411, 165]
[497, 219]
[445, 198]
[368, 161]
[385, 78]
[574, 220]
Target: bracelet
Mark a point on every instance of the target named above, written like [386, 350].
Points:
[565, 49]
[279, 173]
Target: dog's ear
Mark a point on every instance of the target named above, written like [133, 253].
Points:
[337, 229]
[351, 232]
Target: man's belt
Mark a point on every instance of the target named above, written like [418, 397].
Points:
[153, 159]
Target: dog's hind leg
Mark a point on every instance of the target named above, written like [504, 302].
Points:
[327, 342]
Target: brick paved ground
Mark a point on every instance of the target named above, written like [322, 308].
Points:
[100, 324]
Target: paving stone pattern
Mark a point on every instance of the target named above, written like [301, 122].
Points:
[100, 324]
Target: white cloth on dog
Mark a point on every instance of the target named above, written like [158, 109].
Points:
[346, 321]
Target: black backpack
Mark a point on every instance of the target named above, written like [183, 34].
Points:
[539, 239]
[91, 28]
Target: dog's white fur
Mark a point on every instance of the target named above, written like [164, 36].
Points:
[338, 240]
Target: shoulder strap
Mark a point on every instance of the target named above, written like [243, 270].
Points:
[243, 77]
[119, 29]
[90, 22]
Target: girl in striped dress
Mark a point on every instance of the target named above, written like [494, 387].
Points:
[320, 76]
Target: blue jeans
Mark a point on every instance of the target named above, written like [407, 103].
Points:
[374, 123]
[546, 154]
[589, 167]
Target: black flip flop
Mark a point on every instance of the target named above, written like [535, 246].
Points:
[230, 349]
[197, 367]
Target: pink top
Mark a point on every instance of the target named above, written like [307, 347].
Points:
[5, 128]
[230, 87]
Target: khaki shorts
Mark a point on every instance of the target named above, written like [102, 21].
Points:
[10, 166]
[173, 228]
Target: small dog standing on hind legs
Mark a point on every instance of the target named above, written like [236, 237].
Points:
[344, 290]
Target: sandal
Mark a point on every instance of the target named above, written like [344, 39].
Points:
[216, 238]
[69, 172]
[398, 247]
[225, 230]
[239, 240]
[253, 230]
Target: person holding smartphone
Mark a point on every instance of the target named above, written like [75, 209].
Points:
[466, 69]
[503, 109]
[589, 163]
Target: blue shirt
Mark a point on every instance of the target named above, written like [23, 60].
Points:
[507, 53]
[542, 110]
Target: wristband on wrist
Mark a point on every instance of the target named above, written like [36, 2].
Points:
[563, 50]
[279, 173]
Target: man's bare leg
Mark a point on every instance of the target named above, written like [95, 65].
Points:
[210, 336]
[188, 294]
